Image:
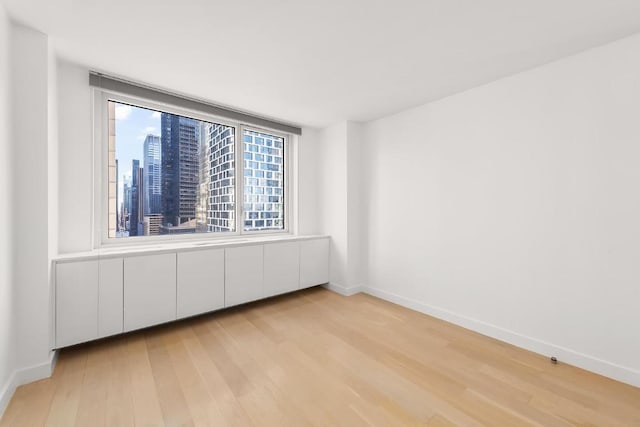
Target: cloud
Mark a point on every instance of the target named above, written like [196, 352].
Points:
[149, 130]
[155, 115]
[123, 111]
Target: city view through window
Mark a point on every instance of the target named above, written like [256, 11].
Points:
[170, 174]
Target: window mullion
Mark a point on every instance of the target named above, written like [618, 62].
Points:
[240, 180]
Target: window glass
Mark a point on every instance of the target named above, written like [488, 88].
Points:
[263, 181]
[169, 174]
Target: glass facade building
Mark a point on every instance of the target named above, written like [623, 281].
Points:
[180, 141]
[152, 175]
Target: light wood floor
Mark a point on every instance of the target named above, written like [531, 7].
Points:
[316, 358]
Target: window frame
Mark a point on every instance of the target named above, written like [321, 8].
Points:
[100, 220]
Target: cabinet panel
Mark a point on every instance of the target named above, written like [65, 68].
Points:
[149, 290]
[314, 262]
[76, 302]
[281, 268]
[200, 282]
[110, 297]
[243, 274]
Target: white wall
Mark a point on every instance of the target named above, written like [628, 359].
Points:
[30, 115]
[339, 203]
[513, 209]
[332, 197]
[52, 147]
[356, 225]
[75, 153]
[308, 181]
[7, 322]
[52, 178]
[25, 185]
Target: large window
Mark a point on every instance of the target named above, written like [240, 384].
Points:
[174, 174]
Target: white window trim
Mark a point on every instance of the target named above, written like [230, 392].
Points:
[100, 219]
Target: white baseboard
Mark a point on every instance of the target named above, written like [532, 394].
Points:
[564, 355]
[343, 290]
[25, 376]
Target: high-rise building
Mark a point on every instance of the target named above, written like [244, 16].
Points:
[152, 175]
[126, 203]
[140, 202]
[263, 181]
[136, 190]
[204, 179]
[180, 140]
[152, 224]
[117, 200]
[220, 177]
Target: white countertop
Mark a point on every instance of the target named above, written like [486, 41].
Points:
[115, 251]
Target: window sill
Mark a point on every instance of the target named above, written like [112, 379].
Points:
[183, 246]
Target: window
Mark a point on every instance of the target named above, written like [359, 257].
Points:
[171, 173]
[263, 181]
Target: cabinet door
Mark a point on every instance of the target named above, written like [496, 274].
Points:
[281, 268]
[149, 290]
[243, 274]
[200, 282]
[110, 297]
[76, 302]
[314, 262]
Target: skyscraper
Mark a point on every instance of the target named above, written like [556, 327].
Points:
[140, 207]
[180, 138]
[204, 178]
[220, 175]
[126, 203]
[152, 175]
[263, 181]
[117, 200]
[134, 216]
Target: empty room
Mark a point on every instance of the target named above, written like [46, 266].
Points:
[306, 213]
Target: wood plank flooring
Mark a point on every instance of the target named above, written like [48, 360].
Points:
[315, 358]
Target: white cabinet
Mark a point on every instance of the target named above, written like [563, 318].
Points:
[96, 297]
[314, 262]
[281, 268]
[76, 302]
[243, 274]
[110, 295]
[149, 290]
[200, 282]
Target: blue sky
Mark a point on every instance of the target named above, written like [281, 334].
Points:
[133, 124]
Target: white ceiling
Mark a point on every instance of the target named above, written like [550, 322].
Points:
[319, 62]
